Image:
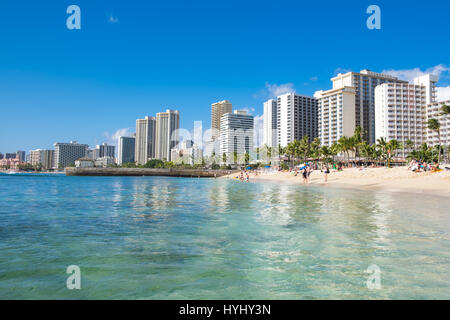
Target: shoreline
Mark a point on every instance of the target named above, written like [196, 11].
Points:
[390, 180]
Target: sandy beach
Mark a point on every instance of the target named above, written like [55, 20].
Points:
[386, 179]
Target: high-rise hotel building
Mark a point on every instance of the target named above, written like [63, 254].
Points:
[270, 123]
[434, 111]
[296, 118]
[167, 135]
[67, 153]
[401, 109]
[126, 150]
[364, 83]
[236, 134]
[218, 109]
[145, 140]
[336, 109]
[400, 112]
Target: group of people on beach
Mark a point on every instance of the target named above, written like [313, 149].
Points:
[419, 166]
[307, 169]
[244, 176]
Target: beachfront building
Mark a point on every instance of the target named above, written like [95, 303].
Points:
[10, 164]
[400, 112]
[145, 140]
[187, 152]
[104, 162]
[218, 109]
[84, 163]
[42, 157]
[67, 153]
[167, 135]
[126, 149]
[336, 114]
[434, 111]
[429, 82]
[364, 83]
[236, 135]
[270, 123]
[296, 118]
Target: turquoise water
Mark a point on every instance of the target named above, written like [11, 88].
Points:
[175, 238]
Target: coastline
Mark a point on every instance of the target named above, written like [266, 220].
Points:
[375, 179]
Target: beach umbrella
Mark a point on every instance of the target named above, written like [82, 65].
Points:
[267, 167]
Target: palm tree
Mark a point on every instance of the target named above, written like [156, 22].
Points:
[246, 158]
[346, 145]
[326, 153]
[433, 124]
[304, 148]
[357, 140]
[409, 145]
[382, 147]
[235, 157]
[224, 158]
[281, 150]
[392, 148]
[445, 110]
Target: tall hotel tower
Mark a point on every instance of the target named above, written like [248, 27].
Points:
[126, 150]
[336, 119]
[296, 118]
[145, 140]
[270, 123]
[218, 109]
[364, 83]
[236, 134]
[401, 110]
[167, 125]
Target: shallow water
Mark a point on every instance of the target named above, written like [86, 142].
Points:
[178, 238]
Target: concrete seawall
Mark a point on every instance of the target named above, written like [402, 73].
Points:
[190, 173]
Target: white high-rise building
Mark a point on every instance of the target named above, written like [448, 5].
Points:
[236, 135]
[336, 109]
[400, 111]
[167, 135]
[429, 82]
[145, 140]
[434, 111]
[67, 153]
[126, 150]
[296, 118]
[270, 123]
[364, 83]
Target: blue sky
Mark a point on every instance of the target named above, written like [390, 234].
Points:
[135, 58]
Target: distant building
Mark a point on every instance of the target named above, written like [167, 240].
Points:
[270, 123]
[167, 125]
[218, 109]
[187, 152]
[434, 111]
[429, 81]
[364, 84]
[400, 110]
[126, 150]
[20, 155]
[236, 135]
[145, 140]
[42, 157]
[296, 118]
[336, 114]
[105, 150]
[104, 162]
[67, 153]
[10, 155]
[84, 163]
[1, 155]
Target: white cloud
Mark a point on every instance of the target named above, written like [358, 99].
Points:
[341, 70]
[443, 93]
[113, 19]
[112, 138]
[275, 90]
[313, 79]
[410, 74]
[248, 110]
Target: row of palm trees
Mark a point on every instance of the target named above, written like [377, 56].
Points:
[357, 148]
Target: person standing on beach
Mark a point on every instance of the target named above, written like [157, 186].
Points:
[305, 175]
[308, 174]
[326, 172]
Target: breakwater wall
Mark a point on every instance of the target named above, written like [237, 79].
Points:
[137, 172]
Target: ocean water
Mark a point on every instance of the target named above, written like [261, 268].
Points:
[178, 238]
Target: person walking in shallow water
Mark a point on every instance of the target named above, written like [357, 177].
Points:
[326, 172]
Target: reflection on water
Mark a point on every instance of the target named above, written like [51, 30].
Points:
[173, 238]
